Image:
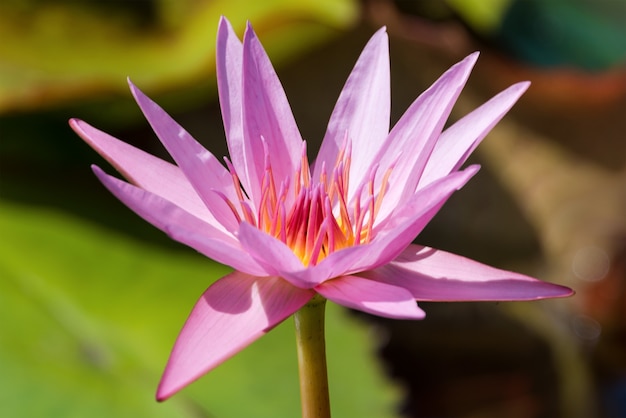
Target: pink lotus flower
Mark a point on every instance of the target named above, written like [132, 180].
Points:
[341, 229]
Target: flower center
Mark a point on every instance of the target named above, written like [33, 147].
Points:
[319, 219]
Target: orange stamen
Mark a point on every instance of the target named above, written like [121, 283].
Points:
[319, 219]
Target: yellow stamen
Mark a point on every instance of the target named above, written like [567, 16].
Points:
[320, 219]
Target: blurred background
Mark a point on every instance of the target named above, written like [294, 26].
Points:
[92, 297]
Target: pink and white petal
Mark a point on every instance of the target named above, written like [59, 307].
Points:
[416, 133]
[232, 255]
[373, 297]
[267, 117]
[390, 241]
[435, 275]
[146, 171]
[232, 313]
[229, 67]
[205, 173]
[409, 220]
[458, 141]
[274, 256]
[341, 263]
[171, 219]
[361, 113]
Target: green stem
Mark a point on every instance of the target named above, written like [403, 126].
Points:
[312, 359]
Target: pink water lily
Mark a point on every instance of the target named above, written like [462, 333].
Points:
[341, 228]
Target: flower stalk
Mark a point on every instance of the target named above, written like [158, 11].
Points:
[311, 346]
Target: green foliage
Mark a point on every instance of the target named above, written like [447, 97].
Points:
[87, 319]
[63, 50]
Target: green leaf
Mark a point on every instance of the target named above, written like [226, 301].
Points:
[87, 319]
[58, 51]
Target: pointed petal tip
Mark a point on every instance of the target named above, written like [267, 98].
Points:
[512, 93]
[249, 32]
[420, 314]
[92, 136]
[223, 26]
[542, 290]
[471, 59]
[133, 88]
[380, 38]
[470, 172]
[78, 126]
[561, 291]
[466, 64]
[106, 179]
[439, 276]
[521, 87]
[140, 96]
[250, 38]
[382, 31]
[87, 132]
[161, 394]
[166, 390]
[96, 169]
[82, 128]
